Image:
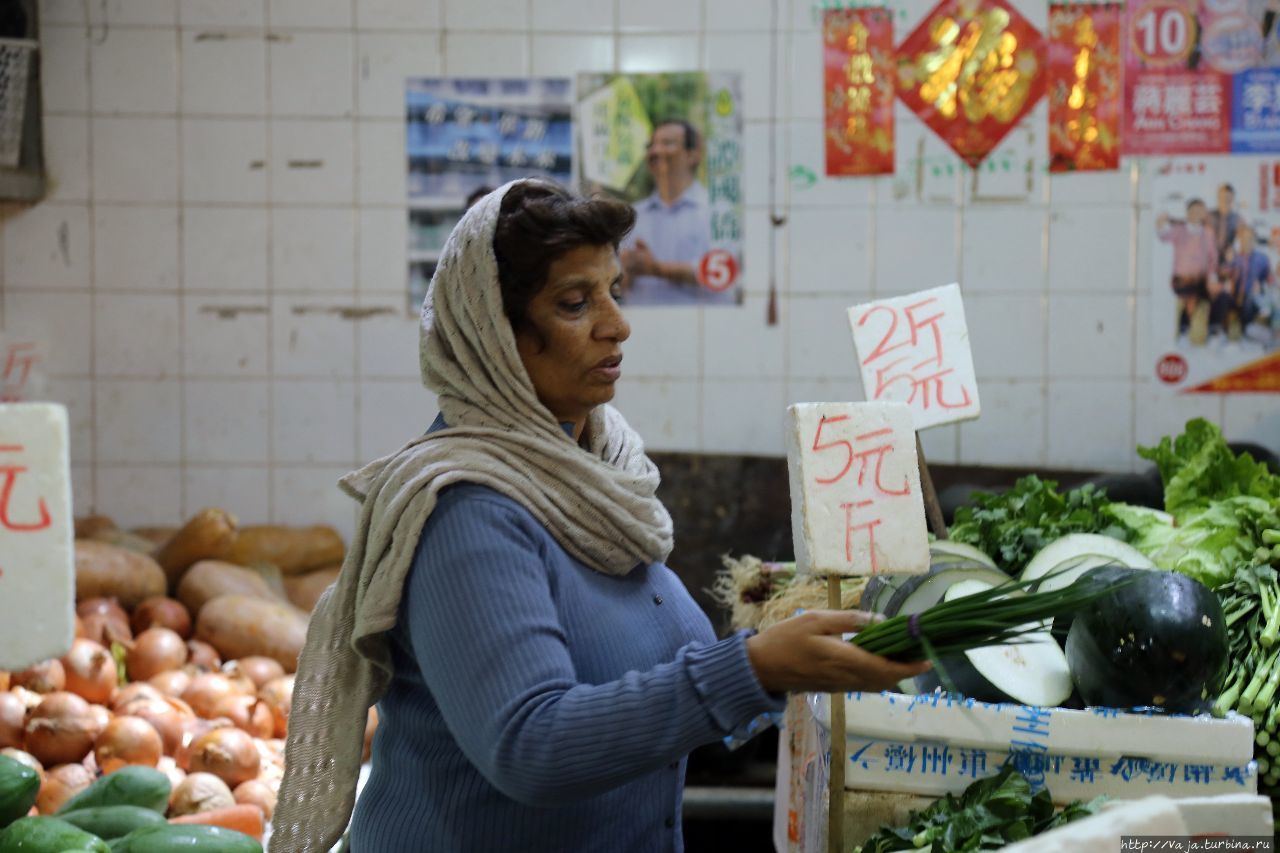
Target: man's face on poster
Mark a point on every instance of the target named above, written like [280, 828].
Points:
[1226, 199]
[667, 155]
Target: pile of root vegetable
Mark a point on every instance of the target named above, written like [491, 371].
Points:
[185, 644]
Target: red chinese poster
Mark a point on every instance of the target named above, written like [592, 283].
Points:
[858, 89]
[971, 70]
[1084, 87]
[1176, 102]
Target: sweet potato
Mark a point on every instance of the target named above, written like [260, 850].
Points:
[305, 590]
[242, 625]
[208, 579]
[123, 539]
[244, 818]
[207, 534]
[294, 550]
[87, 525]
[156, 535]
[106, 571]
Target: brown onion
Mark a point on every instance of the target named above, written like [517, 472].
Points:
[45, 677]
[165, 714]
[173, 683]
[101, 715]
[134, 690]
[169, 767]
[204, 656]
[80, 629]
[30, 699]
[206, 691]
[278, 694]
[161, 612]
[200, 792]
[61, 784]
[192, 730]
[255, 792]
[13, 721]
[104, 620]
[246, 712]
[154, 651]
[258, 669]
[61, 729]
[90, 671]
[125, 741]
[91, 764]
[229, 754]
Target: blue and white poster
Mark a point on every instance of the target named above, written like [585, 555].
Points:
[466, 137]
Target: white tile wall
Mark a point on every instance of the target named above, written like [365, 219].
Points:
[219, 265]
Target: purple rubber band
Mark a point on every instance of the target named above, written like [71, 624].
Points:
[913, 626]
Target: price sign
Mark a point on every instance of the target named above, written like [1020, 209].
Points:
[37, 556]
[914, 349]
[856, 507]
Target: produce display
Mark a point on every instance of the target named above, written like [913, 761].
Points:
[989, 814]
[163, 726]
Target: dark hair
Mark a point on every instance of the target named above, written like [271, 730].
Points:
[1228, 188]
[539, 222]
[477, 194]
[690, 132]
[1194, 202]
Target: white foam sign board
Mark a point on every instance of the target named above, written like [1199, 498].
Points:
[856, 507]
[914, 349]
[37, 548]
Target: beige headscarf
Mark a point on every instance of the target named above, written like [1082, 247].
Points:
[599, 503]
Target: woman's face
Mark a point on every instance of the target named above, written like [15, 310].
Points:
[572, 344]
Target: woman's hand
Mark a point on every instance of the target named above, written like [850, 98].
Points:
[806, 653]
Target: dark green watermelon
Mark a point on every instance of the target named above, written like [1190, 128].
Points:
[1159, 641]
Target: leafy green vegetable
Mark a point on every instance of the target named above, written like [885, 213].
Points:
[1198, 467]
[1014, 525]
[989, 814]
[1208, 543]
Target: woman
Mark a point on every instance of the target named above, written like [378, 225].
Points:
[541, 674]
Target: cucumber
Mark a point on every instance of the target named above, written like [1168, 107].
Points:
[128, 786]
[48, 835]
[189, 838]
[110, 822]
[19, 786]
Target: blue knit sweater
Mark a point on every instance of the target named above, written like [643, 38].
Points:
[538, 705]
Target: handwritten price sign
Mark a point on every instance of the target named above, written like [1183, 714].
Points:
[855, 489]
[914, 349]
[37, 555]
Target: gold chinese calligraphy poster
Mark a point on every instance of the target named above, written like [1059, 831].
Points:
[858, 91]
[971, 70]
[1084, 87]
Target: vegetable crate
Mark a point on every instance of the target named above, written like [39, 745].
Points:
[933, 745]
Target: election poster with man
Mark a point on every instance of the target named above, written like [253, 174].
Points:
[1202, 77]
[671, 145]
[1215, 300]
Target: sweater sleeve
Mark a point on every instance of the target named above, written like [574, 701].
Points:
[484, 630]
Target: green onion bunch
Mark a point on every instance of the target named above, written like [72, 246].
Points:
[992, 617]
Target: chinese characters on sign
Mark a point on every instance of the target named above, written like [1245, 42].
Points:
[914, 349]
[21, 369]
[972, 70]
[1084, 87]
[37, 582]
[855, 489]
[858, 91]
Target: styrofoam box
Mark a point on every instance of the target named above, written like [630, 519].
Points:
[933, 744]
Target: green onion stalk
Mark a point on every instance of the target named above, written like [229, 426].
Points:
[991, 617]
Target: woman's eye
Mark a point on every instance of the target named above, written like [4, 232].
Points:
[575, 306]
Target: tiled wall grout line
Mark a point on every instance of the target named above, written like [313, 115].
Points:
[269, 154]
[183, 509]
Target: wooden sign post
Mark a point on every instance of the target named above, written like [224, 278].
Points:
[856, 509]
[37, 553]
[914, 349]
